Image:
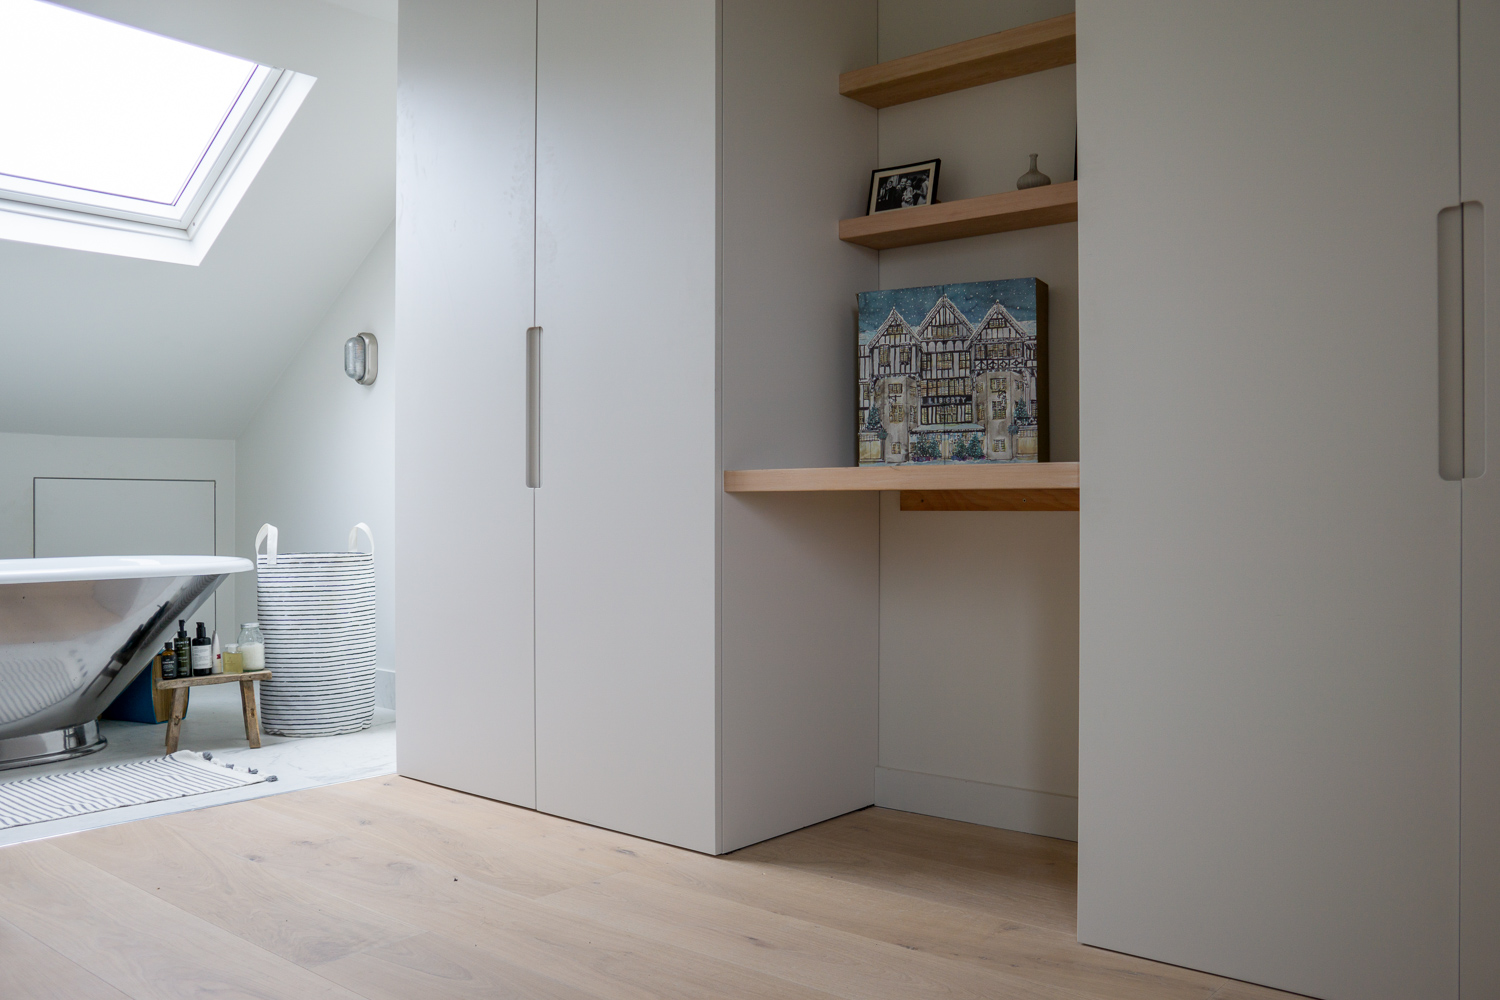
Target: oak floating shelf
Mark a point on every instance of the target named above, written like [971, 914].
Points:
[1038, 486]
[1030, 48]
[953, 220]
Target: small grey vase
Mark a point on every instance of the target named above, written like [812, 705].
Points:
[1032, 178]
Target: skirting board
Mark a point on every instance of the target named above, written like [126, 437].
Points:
[1043, 813]
[385, 689]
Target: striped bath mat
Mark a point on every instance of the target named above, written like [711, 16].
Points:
[95, 789]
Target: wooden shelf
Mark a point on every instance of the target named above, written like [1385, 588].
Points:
[189, 682]
[1038, 486]
[953, 220]
[1030, 48]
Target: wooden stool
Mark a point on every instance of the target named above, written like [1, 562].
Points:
[247, 698]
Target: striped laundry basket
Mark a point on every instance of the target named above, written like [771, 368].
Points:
[317, 613]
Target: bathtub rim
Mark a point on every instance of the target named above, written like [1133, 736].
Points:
[66, 569]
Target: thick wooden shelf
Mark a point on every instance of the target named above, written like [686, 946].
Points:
[952, 220]
[1030, 48]
[1038, 486]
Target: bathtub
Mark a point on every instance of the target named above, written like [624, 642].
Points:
[75, 631]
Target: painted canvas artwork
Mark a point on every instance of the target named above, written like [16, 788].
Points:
[953, 373]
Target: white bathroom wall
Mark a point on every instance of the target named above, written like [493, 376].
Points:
[979, 610]
[317, 456]
[24, 457]
[78, 326]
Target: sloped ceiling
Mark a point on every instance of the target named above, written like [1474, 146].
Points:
[92, 344]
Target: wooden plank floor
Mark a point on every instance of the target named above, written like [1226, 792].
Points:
[390, 889]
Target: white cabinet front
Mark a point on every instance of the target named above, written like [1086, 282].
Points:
[1269, 557]
[626, 511]
[464, 286]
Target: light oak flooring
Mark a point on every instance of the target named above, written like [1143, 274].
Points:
[390, 889]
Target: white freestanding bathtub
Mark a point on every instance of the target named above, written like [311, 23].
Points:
[75, 631]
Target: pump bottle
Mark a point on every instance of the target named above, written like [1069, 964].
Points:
[202, 653]
[183, 647]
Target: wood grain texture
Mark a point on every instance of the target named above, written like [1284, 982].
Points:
[252, 713]
[967, 934]
[389, 888]
[953, 220]
[161, 700]
[434, 965]
[32, 970]
[840, 963]
[989, 499]
[190, 682]
[514, 865]
[174, 723]
[135, 942]
[1033, 476]
[1039, 903]
[1029, 48]
[287, 917]
[458, 905]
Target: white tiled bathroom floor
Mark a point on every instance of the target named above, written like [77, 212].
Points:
[214, 722]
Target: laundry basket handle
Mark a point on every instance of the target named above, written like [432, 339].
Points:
[267, 531]
[354, 533]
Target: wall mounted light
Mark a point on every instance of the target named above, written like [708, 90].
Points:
[359, 358]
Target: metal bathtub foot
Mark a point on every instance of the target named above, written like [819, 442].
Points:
[43, 748]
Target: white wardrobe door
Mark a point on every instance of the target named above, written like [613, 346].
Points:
[1269, 559]
[1479, 34]
[464, 286]
[626, 524]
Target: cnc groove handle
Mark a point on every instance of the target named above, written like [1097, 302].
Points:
[1474, 387]
[1461, 305]
[534, 407]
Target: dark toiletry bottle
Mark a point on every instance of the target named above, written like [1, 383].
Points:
[203, 653]
[183, 646]
[168, 663]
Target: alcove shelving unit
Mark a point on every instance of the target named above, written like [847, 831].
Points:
[1029, 48]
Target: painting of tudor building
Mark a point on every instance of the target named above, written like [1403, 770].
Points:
[953, 373]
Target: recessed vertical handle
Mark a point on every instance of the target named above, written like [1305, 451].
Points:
[534, 407]
[1450, 326]
[1474, 388]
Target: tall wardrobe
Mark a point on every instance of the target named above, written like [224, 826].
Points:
[1290, 528]
[616, 276]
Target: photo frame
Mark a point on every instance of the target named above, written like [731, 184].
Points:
[910, 185]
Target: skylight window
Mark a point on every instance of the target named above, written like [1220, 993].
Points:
[119, 128]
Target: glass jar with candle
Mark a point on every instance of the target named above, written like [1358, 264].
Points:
[252, 648]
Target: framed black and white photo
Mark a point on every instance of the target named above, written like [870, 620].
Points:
[904, 187]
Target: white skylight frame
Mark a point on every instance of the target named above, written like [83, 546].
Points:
[182, 231]
[180, 213]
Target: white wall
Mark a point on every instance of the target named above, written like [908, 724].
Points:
[25, 456]
[317, 456]
[979, 610]
[233, 323]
